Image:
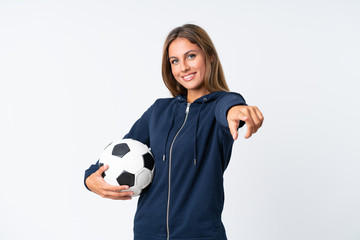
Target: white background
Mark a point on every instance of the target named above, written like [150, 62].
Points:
[75, 75]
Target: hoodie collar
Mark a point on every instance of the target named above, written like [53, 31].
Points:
[208, 97]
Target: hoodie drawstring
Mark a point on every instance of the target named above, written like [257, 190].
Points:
[195, 132]
[196, 160]
[172, 123]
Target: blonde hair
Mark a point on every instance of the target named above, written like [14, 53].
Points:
[214, 76]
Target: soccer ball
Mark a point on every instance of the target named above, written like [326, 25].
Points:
[130, 163]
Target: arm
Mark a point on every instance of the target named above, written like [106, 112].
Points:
[232, 112]
[93, 179]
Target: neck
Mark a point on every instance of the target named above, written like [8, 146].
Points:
[193, 95]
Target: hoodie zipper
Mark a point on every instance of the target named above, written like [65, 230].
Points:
[170, 152]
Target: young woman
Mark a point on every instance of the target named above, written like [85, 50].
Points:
[191, 137]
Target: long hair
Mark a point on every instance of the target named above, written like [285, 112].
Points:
[214, 76]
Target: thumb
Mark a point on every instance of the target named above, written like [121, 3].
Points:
[103, 168]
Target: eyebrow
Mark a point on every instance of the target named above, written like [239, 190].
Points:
[185, 53]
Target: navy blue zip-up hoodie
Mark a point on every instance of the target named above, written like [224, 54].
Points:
[191, 144]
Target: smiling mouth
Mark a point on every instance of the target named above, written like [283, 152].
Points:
[189, 77]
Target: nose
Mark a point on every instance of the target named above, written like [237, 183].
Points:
[184, 66]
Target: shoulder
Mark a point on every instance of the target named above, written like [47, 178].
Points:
[164, 100]
[229, 99]
[231, 96]
[161, 102]
[222, 96]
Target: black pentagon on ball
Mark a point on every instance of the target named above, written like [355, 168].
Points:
[148, 161]
[126, 178]
[120, 150]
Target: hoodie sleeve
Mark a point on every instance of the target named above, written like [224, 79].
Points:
[139, 132]
[227, 101]
[93, 168]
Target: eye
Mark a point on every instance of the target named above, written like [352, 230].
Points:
[174, 61]
[191, 56]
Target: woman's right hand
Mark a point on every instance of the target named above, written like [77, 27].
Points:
[96, 183]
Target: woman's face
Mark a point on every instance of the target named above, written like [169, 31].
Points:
[188, 65]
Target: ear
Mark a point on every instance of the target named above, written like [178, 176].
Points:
[212, 59]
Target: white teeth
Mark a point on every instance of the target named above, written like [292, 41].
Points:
[188, 77]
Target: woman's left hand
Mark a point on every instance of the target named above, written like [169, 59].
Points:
[251, 115]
